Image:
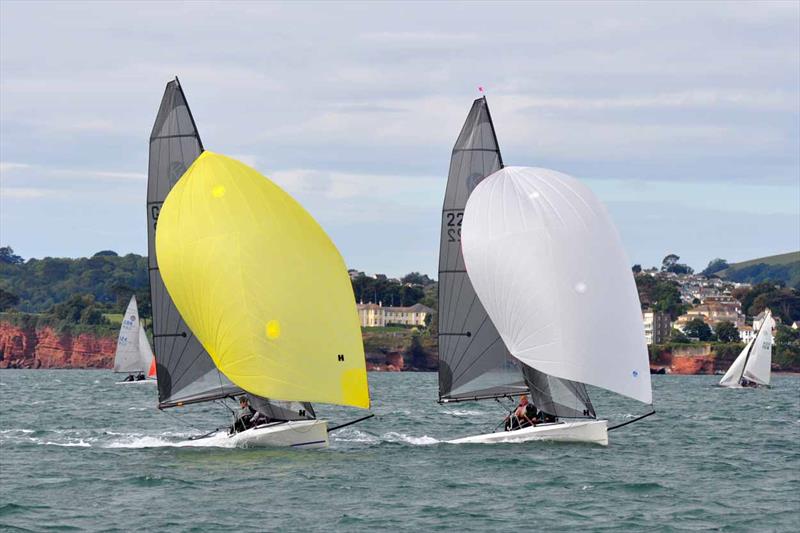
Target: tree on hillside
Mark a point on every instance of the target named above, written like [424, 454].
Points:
[7, 256]
[106, 253]
[668, 262]
[677, 336]
[417, 279]
[726, 332]
[660, 295]
[80, 309]
[698, 329]
[7, 300]
[636, 268]
[714, 266]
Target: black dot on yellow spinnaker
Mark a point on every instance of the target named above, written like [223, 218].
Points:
[261, 285]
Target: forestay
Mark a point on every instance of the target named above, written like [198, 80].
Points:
[549, 267]
[261, 285]
[128, 357]
[185, 371]
[473, 361]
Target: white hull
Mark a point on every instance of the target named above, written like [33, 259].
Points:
[153, 381]
[297, 434]
[592, 431]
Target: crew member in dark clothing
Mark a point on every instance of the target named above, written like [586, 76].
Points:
[523, 416]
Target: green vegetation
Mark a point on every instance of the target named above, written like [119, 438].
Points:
[670, 264]
[660, 295]
[787, 348]
[726, 332]
[696, 328]
[783, 268]
[42, 283]
[714, 266]
[783, 302]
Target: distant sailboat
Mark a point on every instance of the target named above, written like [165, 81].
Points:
[753, 366]
[509, 320]
[134, 355]
[238, 261]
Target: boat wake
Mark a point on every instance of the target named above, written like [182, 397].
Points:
[170, 439]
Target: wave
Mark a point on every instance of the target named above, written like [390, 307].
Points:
[463, 412]
[410, 439]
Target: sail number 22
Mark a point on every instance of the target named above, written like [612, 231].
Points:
[453, 220]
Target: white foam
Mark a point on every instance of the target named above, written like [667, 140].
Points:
[354, 435]
[462, 412]
[409, 439]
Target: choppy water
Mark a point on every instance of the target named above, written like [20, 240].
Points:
[78, 452]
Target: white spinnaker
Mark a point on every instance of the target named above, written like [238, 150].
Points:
[548, 265]
[127, 358]
[759, 364]
[145, 351]
[733, 376]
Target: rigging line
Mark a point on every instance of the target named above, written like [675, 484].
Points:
[632, 421]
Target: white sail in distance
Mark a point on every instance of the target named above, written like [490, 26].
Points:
[548, 265]
[733, 376]
[759, 365]
[128, 357]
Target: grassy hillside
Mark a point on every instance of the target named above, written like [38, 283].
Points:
[782, 267]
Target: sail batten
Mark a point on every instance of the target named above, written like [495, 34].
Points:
[186, 373]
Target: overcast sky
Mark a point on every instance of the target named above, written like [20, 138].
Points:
[684, 118]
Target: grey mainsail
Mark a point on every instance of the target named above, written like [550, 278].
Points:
[186, 373]
[558, 397]
[279, 410]
[473, 361]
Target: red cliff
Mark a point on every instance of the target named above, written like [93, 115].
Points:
[24, 347]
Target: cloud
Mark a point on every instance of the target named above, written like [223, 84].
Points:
[24, 193]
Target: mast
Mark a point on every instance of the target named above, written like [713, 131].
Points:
[186, 373]
[473, 361]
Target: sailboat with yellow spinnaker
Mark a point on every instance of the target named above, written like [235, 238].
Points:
[262, 286]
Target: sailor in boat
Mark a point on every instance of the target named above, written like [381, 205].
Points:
[248, 417]
[524, 415]
[137, 377]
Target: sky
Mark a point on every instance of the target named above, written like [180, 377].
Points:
[683, 117]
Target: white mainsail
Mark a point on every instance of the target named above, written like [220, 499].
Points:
[759, 364]
[128, 357]
[549, 267]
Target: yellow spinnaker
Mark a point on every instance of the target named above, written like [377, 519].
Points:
[261, 285]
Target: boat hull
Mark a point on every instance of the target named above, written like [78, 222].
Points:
[590, 431]
[294, 434]
[153, 381]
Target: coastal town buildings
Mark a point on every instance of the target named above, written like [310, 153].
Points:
[657, 327]
[746, 333]
[374, 315]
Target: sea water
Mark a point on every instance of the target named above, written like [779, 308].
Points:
[79, 452]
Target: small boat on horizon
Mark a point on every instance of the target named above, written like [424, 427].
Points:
[134, 356]
[752, 368]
